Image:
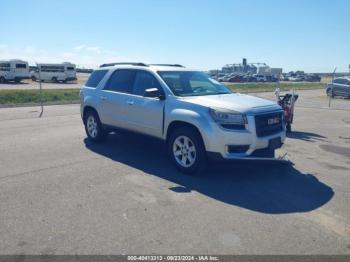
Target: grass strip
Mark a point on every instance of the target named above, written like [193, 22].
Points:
[32, 96]
[17, 97]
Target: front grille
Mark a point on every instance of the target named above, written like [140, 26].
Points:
[233, 126]
[268, 124]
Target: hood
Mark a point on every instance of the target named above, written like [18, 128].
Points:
[235, 101]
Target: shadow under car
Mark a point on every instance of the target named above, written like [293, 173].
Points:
[267, 187]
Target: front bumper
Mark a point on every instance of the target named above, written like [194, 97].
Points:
[217, 157]
[218, 141]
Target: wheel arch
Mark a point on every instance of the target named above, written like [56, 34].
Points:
[176, 124]
[87, 109]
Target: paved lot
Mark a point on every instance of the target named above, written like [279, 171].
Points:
[59, 194]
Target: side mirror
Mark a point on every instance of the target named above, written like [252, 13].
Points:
[155, 93]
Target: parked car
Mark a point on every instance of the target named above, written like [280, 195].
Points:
[271, 79]
[260, 78]
[223, 78]
[299, 78]
[339, 87]
[312, 78]
[235, 79]
[197, 117]
[218, 76]
[248, 78]
[284, 77]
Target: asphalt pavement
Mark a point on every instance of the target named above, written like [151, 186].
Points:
[61, 194]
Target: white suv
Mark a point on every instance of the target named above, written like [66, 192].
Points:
[195, 115]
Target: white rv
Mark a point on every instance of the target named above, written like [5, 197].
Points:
[13, 70]
[54, 72]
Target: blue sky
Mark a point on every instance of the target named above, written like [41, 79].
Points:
[311, 35]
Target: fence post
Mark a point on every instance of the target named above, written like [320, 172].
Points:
[40, 91]
[330, 97]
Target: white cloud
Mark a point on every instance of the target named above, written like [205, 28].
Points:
[29, 49]
[79, 47]
[86, 48]
[95, 49]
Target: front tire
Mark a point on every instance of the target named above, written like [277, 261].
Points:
[187, 151]
[54, 79]
[2, 80]
[93, 127]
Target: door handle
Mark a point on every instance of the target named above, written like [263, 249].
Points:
[130, 103]
[103, 97]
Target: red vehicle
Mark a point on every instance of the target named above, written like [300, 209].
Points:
[287, 102]
[235, 79]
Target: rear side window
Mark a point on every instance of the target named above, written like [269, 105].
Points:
[95, 78]
[4, 67]
[50, 68]
[341, 81]
[121, 81]
[143, 81]
[21, 66]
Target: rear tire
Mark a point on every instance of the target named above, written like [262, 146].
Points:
[2, 80]
[93, 127]
[33, 78]
[289, 128]
[54, 79]
[187, 151]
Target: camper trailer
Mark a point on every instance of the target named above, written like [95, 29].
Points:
[54, 72]
[13, 70]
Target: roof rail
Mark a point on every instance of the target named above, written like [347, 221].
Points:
[175, 65]
[124, 63]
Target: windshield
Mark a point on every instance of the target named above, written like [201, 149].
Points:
[192, 83]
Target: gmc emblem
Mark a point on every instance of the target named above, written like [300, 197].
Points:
[273, 121]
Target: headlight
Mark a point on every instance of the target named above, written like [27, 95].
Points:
[228, 119]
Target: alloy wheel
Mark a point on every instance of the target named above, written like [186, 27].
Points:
[91, 125]
[184, 151]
